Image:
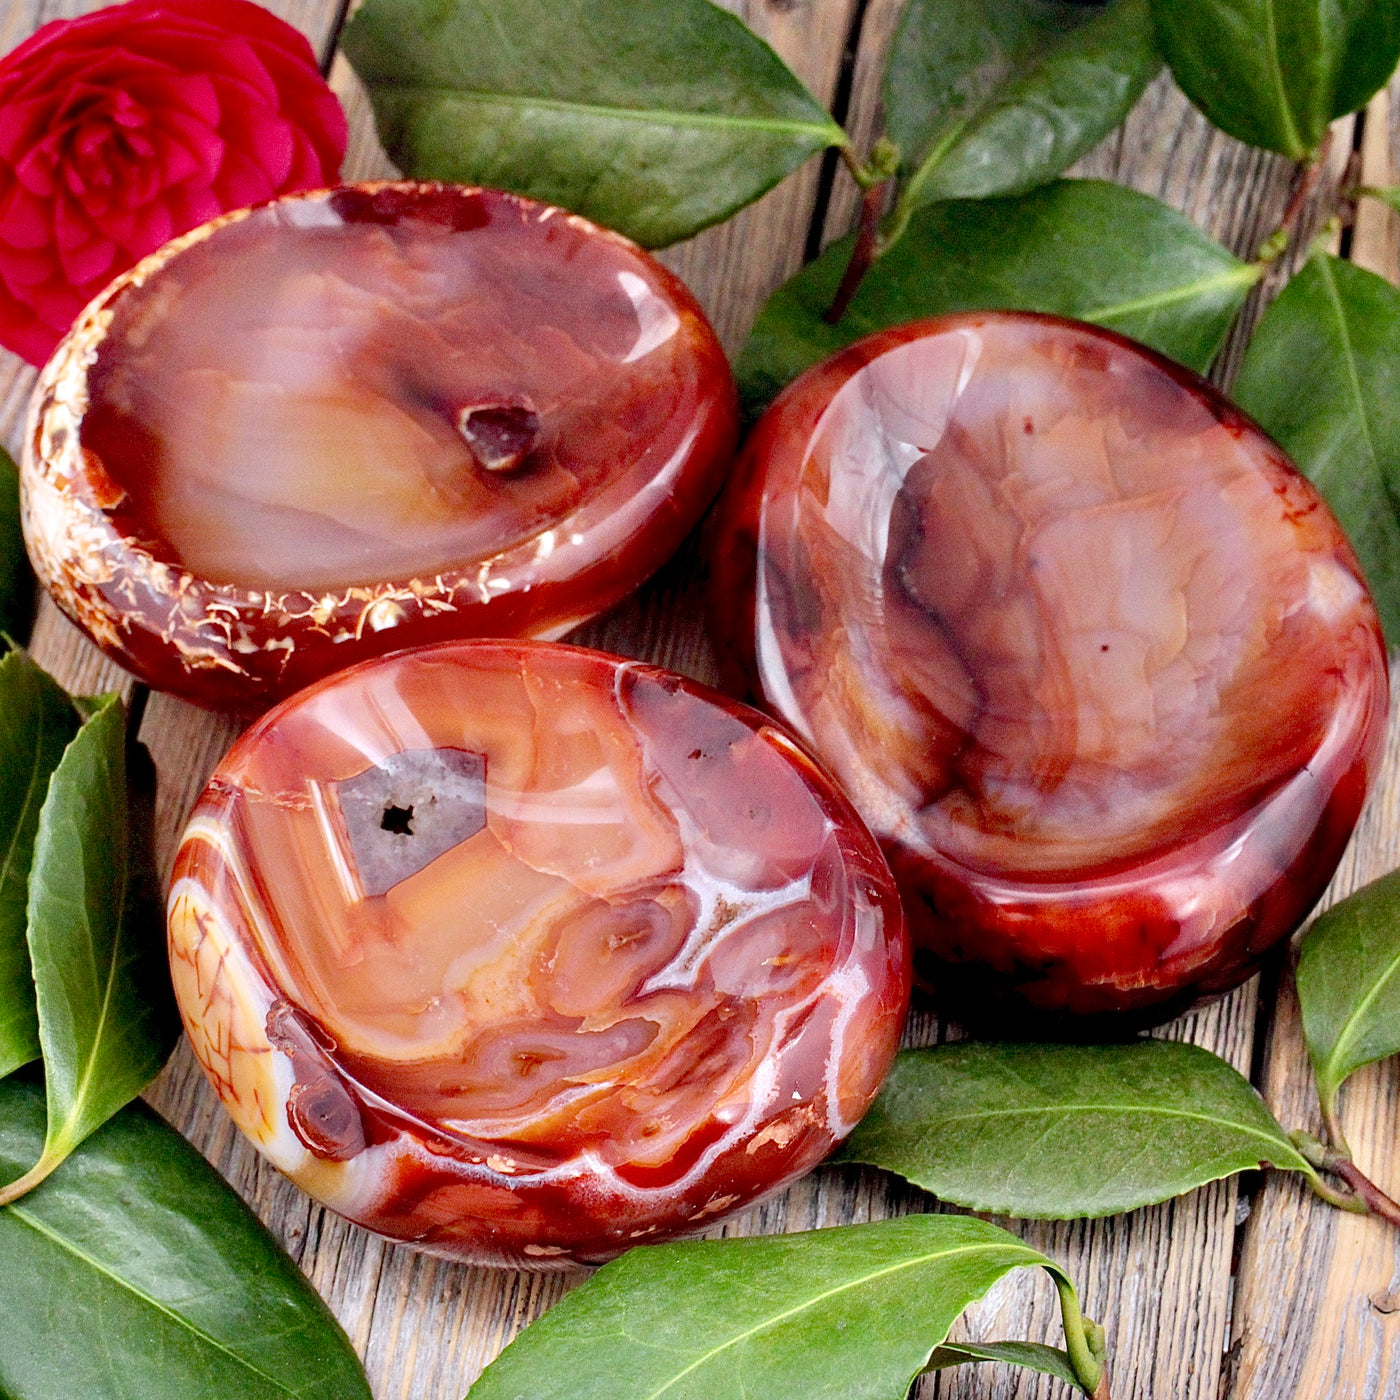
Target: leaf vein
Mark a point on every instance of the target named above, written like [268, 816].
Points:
[1245, 273]
[1032, 1257]
[829, 132]
[21, 1213]
[1124, 1109]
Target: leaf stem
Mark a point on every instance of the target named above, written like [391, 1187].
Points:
[37, 1173]
[1363, 1196]
[872, 178]
[861, 173]
[1375, 1200]
[884, 162]
[1333, 1126]
[863, 254]
[1339, 1200]
[1387, 194]
[1305, 184]
[1084, 1342]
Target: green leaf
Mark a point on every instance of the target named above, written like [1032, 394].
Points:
[107, 1018]
[36, 722]
[1276, 72]
[990, 97]
[1081, 248]
[135, 1273]
[1322, 375]
[1349, 985]
[849, 1313]
[16, 579]
[653, 117]
[1387, 194]
[1067, 1131]
[1032, 1356]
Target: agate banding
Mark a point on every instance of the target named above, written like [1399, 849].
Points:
[353, 421]
[1093, 660]
[648, 967]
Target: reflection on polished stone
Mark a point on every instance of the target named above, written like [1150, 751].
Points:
[349, 422]
[661, 971]
[1093, 660]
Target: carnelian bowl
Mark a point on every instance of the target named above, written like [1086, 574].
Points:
[524, 954]
[1092, 658]
[361, 419]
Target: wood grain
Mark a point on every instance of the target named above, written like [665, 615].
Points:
[1318, 1298]
[1315, 1309]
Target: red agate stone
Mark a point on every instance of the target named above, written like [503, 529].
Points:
[1093, 660]
[358, 420]
[525, 954]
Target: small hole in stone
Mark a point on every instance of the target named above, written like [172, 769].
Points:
[399, 820]
[501, 436]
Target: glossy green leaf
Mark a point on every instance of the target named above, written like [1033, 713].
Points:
[1349, 985]
[107, 1018]
[1322, 375]
[1081, 248]
[850, 1313]
[989, 97]
[654, 117]
[36, 722]
[1276, 72]
[1388, 194]
[16, 579]
[1067, 1131]
[135, 1273]
[1030, 1356]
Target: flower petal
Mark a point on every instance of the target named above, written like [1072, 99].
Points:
[26, 269]
[25, 221]
[241, 182]
[152, 227]
[190, 207]
[89, 262]
[203, 142]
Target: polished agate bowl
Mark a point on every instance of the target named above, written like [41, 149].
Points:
[1093, 660]
[361, 419]
[524, 954]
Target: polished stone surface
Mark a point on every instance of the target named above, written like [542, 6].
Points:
[350, 422]
[1095, 663]
[661, 972]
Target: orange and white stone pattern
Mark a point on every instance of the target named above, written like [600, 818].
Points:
[524, 954]
[1094, 661]
[357, 420]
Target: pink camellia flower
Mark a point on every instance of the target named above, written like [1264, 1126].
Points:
[126, 127]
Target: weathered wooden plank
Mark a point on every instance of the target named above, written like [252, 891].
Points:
[1376, 237]
[1317, 1309]
[865, 109]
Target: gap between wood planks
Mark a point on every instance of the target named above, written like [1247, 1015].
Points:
[840, 110]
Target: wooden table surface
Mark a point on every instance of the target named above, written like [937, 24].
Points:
[1248, 1289]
